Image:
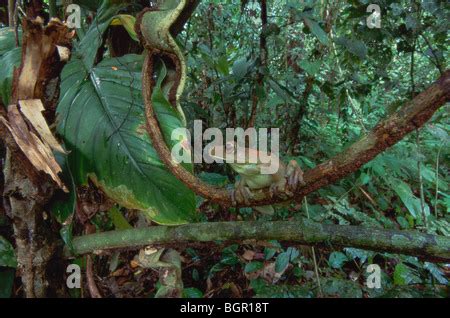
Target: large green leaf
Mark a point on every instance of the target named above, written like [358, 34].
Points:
[354, 46]
[103, 125]
[8, 40]
[405, 275]
[7, 255]
[6, 282]
[317, 30]
[10, 57]
[91, 5]
[411, 202]
[9, 61]
[88, 47]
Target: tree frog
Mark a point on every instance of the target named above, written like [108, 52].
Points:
[286, 179]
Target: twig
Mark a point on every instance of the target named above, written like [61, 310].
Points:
[313, 250]
[438, 62]
[437, 181]
[92, 287]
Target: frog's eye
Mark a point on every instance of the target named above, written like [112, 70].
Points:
[229, 147]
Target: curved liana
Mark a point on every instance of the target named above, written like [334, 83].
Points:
[153, 27]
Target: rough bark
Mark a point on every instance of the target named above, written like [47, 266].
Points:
[27, 190]
[36, 243]
[11, 9]
[184, 16]
[426, 246]
[35, 8]
[42, 63]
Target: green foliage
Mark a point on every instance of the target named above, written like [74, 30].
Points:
[8, 263]
[328, 80]
[9, 60]
[405, 275]
[253, 267]
[8, 40]
[337, 259]
[111, 129]
[106, 134]
[10, 57]
[119, 221]
[192, 293]
[283, 259]
[335, 287]
[7, 255]
[359, 76]
[6, 282]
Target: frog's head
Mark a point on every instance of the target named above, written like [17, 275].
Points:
[234, 156]
[224, 153]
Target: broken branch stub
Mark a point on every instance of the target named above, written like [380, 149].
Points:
[45, 50]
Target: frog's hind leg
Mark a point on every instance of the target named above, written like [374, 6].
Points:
[277, 187]
[241, 193]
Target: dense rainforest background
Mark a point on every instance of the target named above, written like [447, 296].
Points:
[78, 156]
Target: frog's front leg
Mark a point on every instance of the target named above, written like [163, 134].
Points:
[241, 193]
[277, 186]
[294, 175]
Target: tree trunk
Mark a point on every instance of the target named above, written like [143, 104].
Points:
[11, 9]
[36, 244]
[27, 188]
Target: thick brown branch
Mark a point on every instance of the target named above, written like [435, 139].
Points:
[387, 133]
[184, 16]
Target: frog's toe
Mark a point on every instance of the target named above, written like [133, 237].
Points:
[294, 176]
[247, 194]
[293, 180]
[273, 190]
[242, 194]
[276, 188]
[233, 197]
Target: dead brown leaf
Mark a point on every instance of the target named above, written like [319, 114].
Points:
[249, 255]
[32, 110]
[38, 153]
